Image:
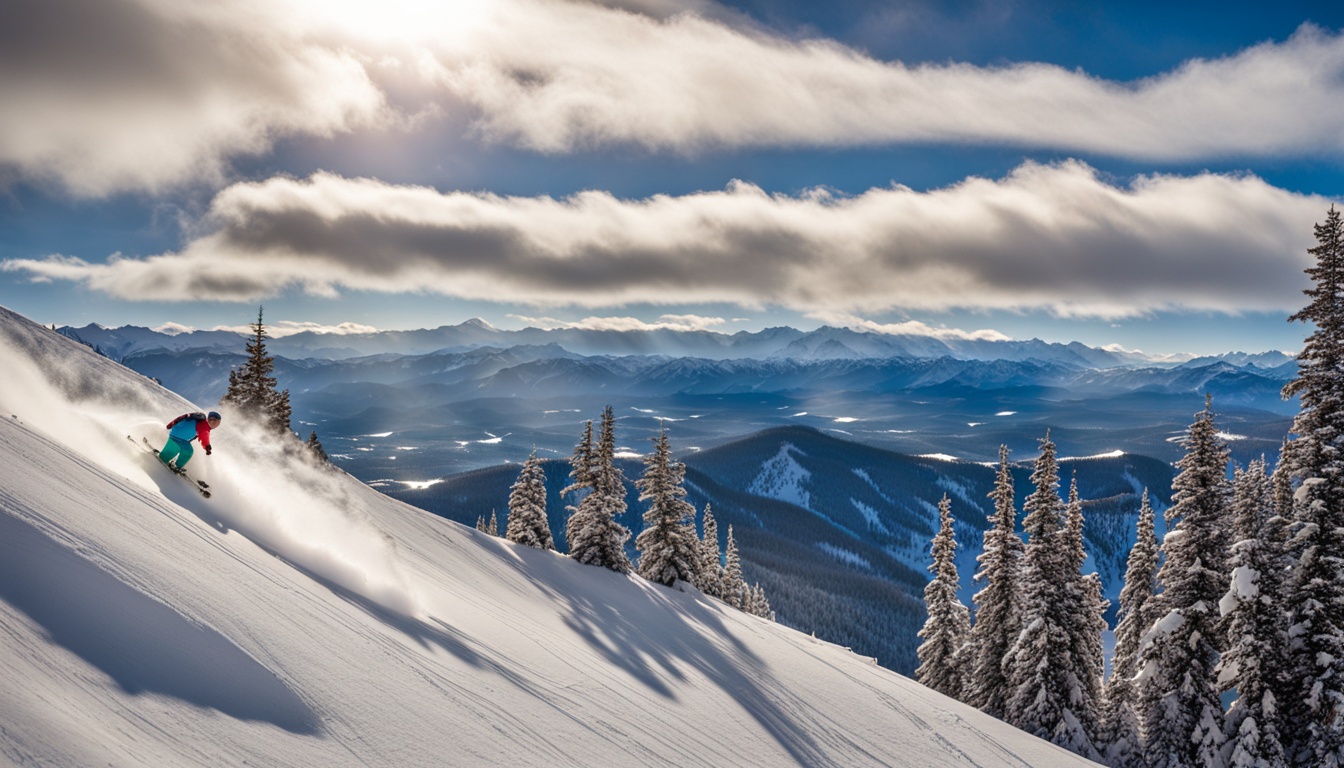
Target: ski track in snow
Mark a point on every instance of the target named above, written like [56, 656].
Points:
[299, 618]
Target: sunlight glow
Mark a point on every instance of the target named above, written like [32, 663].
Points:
[438, 22]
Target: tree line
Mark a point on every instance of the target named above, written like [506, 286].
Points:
[1243, 598]
[670, 550]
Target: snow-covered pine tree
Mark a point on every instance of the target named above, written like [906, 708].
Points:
[1178, 691]
[581, 463]
[998, 619]
[1279, 529]
[1085, 626]
[748, 599]
[711, 568]
[594, 535]
[1276, 583]
[1042, 657]
[669, 549]
[1122, 735]
[943, 652]
[580, 477]
[734, 586]
[315, 447]
[488, 525]
[760, 604]
[1281, 480]
[281, 412]
[1313, 718]
[1256, 638]
[527, 507]
[252, 389]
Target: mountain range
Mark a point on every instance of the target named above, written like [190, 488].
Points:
[826, 343]
[456, 411]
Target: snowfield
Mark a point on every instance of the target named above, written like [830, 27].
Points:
[299, 618]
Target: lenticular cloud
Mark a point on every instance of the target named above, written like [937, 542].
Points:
[1057, 238]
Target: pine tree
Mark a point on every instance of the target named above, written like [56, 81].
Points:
[1313, 717]
[281, 412]
[1275, 583]
[669, 549]
[580, 476]
[1178, 693]
[1254, 621]
[943, 651]
[1039, 656]
[760, 604]
[490, 526]
[581, 463]
[711, 569]
[733, 584]
[315, 447]
[1086, 623]
[527, 507]
[1042, 660]
[998, 613]
[1122, 734]
[252, 389]
[594, 535]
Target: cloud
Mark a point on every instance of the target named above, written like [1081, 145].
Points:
[108, 95]
[1162, 357]
[1046, 237]
[173, 329]
[561, 77]
[664, 322]
[908, 328]
[103, 96]
[290, 327]
[564, 77]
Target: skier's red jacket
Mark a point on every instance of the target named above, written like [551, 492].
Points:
[183, 433]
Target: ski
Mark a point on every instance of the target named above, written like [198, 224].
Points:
[199, 485]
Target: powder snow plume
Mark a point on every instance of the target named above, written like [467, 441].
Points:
[265, 487]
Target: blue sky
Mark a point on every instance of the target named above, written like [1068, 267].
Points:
[1144, 176]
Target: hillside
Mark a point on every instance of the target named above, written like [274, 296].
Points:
[300, 618]
[837, 531]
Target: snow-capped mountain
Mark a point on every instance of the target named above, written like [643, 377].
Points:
[300, 618]
[550, 370]
[825, 343]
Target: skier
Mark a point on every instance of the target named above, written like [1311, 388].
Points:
[181, 431]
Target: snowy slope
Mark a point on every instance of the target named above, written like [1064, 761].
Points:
[300, 618]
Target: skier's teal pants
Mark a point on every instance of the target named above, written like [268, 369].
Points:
[176, 449]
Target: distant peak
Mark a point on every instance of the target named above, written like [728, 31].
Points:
[477, 322]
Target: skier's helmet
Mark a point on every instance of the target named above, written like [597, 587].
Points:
[213, 416]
